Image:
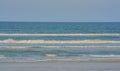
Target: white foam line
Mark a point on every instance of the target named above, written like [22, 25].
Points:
[76, 34]
[57, 41]
[22, 47]
[110, 59]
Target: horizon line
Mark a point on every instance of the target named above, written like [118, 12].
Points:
[60, 21]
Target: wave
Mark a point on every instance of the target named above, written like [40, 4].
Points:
[108, 58]
[51, 55]
[85, 55]
[52, 47]
[74, 34]
[58, 41]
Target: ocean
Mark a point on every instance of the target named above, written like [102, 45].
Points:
[45, 41]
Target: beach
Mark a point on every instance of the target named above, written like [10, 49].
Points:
[61, 66]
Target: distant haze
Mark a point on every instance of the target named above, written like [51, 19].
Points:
[60, 10]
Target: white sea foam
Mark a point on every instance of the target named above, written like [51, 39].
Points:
[52, 47]
[105, 55]
[58, 41]
[70, 34]
[51, 55]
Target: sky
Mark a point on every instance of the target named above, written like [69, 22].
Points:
[60, 10]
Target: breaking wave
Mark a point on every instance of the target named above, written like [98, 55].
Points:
[58, 41]
[52, 47]
[54, 59]
[74, 34]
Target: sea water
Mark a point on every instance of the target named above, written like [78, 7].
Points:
[59, 40]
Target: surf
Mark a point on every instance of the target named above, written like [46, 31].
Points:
[69, 34]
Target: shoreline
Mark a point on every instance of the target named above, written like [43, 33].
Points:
[61, 66]
[62, 60]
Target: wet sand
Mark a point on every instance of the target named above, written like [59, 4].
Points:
[61, 66]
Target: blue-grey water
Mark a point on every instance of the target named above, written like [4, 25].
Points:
[59, 40]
